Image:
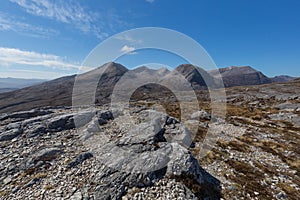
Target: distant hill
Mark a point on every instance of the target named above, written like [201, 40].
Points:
[244, 75]
[51, 93]
[7, 89]
[282, 78]
[9, 84]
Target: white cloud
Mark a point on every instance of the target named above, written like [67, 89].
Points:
[127, 49]
[150, 1]
[129, 39]
[62, 11]
[71, 12]
[8, 23]
[33, 74]
[11, 56]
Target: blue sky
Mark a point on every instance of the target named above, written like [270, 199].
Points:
[49, 39]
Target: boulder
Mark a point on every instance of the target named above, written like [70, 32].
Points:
[78, 160]
[60, 123]
[104, 116]
[38, 129]
[201, 114]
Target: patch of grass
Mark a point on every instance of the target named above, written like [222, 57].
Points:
[134, 190]
[213, 155]
[4, 193]
[40, 175]
[289, 190]
[48, 187]
[249, 178]
[244, 168]
[239, 146]
[276, 148]
[265, 169]
[222, 144]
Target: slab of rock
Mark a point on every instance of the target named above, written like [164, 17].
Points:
[35, 129]
[78, 160]
[60, 123]
[40, 158]
[10, 134]
[27, 114]
[142, 156]
[47, 154]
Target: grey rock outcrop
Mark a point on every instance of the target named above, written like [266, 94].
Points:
[10, 134]
[115, 157]
[143, 155]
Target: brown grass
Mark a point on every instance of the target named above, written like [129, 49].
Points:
[289, 190]
[40, 175]
[49, 187]
[249, 178]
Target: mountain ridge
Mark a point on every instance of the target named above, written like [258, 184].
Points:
[239, 76]
[58, 92]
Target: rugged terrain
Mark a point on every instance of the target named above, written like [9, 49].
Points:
[108, 156]
[101, 152]
[257, 155]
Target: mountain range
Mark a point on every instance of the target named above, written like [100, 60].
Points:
[10, 84]
[59, 92]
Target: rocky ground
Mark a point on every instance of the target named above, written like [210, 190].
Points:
[108, 156]
[136, 153]
[257, 155]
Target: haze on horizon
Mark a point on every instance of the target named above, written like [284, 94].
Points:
[47, 39]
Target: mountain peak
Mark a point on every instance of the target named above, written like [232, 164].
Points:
[113, 67]
[238, 69]
[240, 75]
[140, 69]
[197, 76]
